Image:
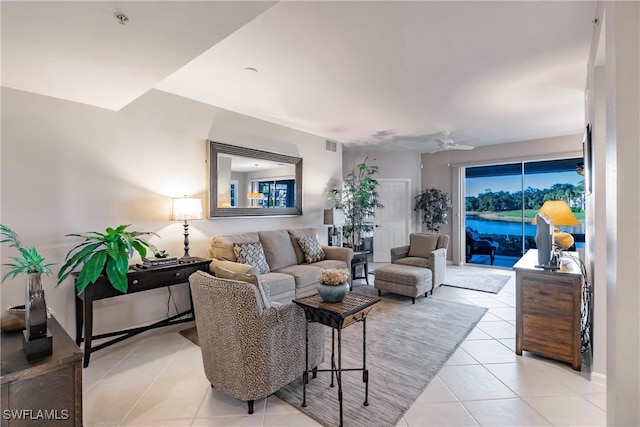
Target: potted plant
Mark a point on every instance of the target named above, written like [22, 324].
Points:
[334, 284]
[32, 264]
[107, 253]
[359, 198]
[434, 205]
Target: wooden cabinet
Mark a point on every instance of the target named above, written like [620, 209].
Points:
[548, 309]
[46, 391]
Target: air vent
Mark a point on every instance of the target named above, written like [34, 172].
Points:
[331, 145]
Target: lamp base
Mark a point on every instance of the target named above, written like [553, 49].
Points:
[37, 348]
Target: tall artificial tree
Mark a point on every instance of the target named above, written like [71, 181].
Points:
[359, 198]
[434, 205]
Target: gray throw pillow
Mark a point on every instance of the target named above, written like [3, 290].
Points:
[311, 248]
[252, 254]
[223, 273]
[421, 245]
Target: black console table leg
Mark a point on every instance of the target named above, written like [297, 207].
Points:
[88, 330]
[79, 318]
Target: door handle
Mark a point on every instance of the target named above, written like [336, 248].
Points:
[376, 226]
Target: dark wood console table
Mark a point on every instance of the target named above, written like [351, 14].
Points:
[548, 309]
[47, 391]
[139, 281]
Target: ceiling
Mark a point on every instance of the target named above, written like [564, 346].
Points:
[383, 75]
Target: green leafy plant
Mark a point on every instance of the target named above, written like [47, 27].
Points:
[435, 205]
[107, 252]
[359, 198]
[30, 262]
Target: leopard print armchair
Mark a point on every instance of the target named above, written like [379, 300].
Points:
[249, 348]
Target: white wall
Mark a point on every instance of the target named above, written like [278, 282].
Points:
[391, 165]
[619, 34]
[71, 168]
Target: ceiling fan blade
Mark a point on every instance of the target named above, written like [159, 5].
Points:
[464, 147]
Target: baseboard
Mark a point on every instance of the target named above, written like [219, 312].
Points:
[599, 378]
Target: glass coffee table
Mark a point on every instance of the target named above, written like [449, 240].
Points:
[354, 308]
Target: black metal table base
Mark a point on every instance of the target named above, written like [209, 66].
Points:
[336, 369]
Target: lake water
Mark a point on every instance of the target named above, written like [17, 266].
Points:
[485, 226]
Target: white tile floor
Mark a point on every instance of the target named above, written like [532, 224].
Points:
[157, 380]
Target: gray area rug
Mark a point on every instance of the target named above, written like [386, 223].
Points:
[407, 344]
[471, 279]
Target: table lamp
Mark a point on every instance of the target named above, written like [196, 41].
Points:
[254, 195]
[183, 209]
[334, 218]
[560, 215]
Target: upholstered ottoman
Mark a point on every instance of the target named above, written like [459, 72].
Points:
[404, 280]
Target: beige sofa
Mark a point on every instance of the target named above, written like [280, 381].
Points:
[289, 276]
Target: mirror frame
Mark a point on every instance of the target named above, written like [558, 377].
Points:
[216, 148]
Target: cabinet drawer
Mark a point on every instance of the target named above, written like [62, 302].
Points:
[153, 279]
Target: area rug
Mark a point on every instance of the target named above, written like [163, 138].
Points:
[407, 344]
[459, 277]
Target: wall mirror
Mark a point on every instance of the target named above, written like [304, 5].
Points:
[249, 182]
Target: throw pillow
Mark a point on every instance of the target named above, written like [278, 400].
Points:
[312, 250]
[252, 254]
[421, 245]
[223, 273]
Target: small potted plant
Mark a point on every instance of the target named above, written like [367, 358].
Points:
[105, 253]
[435, 205]
[32, 264]
[334, 284]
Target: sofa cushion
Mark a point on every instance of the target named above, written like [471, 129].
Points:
[221, 247]
[295, 235]
[252, 254]
[282, 287]
[303, 274]
[223, 273]
[311, 247]
[234, 266]
[414, 261]
[277, 248]
[421, 245]
[330, 263]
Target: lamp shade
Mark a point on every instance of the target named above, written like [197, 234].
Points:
[334, 217]
[558, 212]
[185, 208]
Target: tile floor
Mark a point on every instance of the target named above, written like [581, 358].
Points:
[157, 380]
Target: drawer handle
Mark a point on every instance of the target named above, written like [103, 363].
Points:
[135, 281]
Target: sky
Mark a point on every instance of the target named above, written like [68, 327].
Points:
[512, 183]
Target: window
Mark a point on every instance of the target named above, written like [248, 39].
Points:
[502, 200]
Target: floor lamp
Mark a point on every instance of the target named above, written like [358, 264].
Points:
[184, 209]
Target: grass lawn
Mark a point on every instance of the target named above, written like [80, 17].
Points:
[529, 214]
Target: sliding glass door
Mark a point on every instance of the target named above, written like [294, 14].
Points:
[502, 200]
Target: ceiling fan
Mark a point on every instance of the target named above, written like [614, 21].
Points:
[445, 143]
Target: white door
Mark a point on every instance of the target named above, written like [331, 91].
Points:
[391, 225]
